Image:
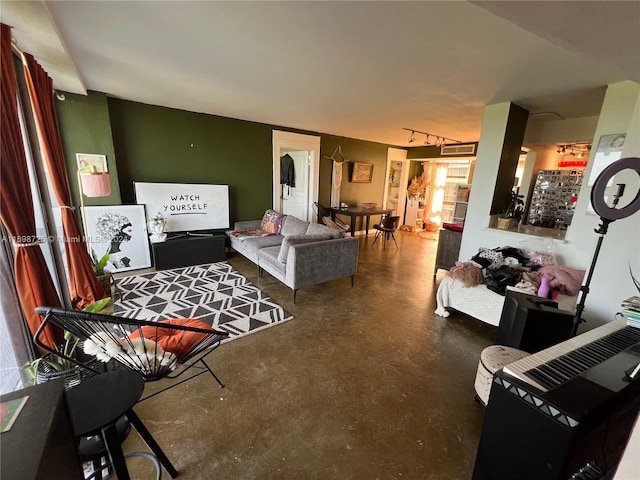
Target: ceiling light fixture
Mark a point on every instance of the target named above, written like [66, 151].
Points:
[577, 149]
[440, 140]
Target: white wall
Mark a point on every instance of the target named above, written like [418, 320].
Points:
[611, 282]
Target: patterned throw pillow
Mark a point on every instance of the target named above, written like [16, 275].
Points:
[271, 222]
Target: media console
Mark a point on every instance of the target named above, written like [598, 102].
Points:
[189, 249]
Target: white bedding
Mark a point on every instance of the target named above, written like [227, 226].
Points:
[480, 302]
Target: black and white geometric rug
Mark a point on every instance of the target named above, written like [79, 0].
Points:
[214, 293]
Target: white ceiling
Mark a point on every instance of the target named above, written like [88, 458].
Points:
[356, 69]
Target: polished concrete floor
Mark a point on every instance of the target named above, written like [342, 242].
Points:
[364, 383]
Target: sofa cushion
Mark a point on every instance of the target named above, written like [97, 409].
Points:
[293, 226]
[297, 240]
[271, 222]
[269, 256]
[254, 244]
[318, 228]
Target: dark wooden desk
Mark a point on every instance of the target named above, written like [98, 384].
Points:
[354, 212]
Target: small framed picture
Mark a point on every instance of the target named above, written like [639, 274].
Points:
[362, 172]
[91, 162]
[120, 231]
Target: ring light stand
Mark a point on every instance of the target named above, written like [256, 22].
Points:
[607, 215]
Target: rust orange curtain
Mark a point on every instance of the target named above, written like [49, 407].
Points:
[83, 284]
[34, 284]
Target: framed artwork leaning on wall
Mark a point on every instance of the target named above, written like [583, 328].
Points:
[120, 231]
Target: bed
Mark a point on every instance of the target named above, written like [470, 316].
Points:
[480, 302]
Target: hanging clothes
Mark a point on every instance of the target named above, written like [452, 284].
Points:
[287, 173]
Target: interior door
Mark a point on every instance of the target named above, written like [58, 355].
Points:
[295, 200]
[306, 149]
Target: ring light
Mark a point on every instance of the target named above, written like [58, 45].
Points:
[597, 193]
[607, 215]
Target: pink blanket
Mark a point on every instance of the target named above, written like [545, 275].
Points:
[564, 279]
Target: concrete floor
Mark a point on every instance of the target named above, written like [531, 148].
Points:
[364, 383]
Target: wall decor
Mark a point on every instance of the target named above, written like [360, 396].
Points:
[188, 207]
[609, 150]
[92, 162]
[120, 231]
[362, 172]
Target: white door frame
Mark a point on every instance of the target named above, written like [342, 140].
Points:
[397, 155]
[297, 141]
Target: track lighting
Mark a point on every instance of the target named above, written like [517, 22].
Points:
[577, 149]
[440, 140]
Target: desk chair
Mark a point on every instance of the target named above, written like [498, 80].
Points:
[387, 228]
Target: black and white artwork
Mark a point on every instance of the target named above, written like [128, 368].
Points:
[120, 231]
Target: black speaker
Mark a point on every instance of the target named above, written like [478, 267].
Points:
[532, 323]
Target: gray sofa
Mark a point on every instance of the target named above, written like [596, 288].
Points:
[301, 255]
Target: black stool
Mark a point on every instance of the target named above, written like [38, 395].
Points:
[93, 449]
[95, 407]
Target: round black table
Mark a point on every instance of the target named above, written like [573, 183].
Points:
[99, 401]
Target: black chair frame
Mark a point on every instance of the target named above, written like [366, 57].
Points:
[324, 216]
[195, 344]
[387, 227]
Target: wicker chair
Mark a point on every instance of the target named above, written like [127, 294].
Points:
[155, 350]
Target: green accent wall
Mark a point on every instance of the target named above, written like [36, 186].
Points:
[85, 128]
[146, 143]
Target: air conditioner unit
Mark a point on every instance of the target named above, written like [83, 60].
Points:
[467, 149]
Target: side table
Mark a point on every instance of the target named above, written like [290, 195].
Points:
[99, 401]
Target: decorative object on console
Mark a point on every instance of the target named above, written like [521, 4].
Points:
[607, 214]
[156, 225]
[511, 216]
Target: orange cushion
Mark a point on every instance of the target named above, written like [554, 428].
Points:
[171, 340]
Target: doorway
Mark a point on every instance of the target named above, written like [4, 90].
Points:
[304, 152]
[395, 190]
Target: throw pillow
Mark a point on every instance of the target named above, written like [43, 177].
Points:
[293, 226]
[271, 222]
[174, 341]
[297, 240]
[318, 228]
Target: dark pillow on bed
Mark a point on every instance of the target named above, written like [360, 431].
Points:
[498, 279]
[483, 262]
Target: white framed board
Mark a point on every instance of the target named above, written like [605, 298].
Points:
[187, 207]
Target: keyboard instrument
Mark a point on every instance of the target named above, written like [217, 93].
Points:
[559, 410]
[557, 365]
